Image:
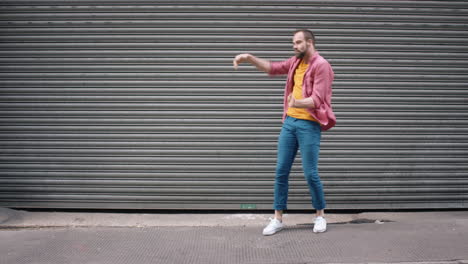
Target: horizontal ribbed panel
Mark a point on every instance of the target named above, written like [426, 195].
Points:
[105, 104]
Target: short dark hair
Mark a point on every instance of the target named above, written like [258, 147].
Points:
[307, 34]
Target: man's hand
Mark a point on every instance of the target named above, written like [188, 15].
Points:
[301, 103]
[260, 64]
[240, 58]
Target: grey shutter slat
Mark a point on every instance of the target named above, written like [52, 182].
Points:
[110, 105]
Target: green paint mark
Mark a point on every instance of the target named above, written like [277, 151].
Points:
[248, 206]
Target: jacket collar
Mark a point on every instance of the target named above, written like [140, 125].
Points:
[311, 59]
[314, 56]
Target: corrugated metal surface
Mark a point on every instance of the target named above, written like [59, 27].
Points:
[106, 104]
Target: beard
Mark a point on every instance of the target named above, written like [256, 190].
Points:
[301, 55]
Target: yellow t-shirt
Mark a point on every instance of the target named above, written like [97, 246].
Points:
[299, 113]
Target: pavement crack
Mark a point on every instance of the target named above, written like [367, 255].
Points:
[356, 221]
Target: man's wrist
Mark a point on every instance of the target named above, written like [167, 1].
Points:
[303, 103]
[250, 58]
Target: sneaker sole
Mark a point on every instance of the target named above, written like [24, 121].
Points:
[270, 234]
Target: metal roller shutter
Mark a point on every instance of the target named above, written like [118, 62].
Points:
[106, 104]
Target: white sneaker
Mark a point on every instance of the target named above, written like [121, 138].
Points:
[273, 227]
[320, 225]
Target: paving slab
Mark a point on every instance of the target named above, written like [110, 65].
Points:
[359, 243]
[405, 238]
[21, 218]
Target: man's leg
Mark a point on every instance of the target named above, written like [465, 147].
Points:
[309, 144]
[287, 149]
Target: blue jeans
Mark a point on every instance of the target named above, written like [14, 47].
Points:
[304, 135]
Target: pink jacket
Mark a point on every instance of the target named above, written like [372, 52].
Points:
[317, 84]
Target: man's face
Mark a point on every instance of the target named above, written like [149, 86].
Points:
[300, 45]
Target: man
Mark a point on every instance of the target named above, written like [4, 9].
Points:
[307, 112]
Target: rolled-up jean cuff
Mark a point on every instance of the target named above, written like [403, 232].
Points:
[279, 207]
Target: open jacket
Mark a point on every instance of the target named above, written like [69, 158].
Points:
[317, 84]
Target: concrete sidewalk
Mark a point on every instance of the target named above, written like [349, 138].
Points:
[49, 237]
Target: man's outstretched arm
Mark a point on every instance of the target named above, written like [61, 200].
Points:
[261, 64]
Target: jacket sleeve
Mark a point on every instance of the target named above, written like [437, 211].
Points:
[280, 67]
[323, 80]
